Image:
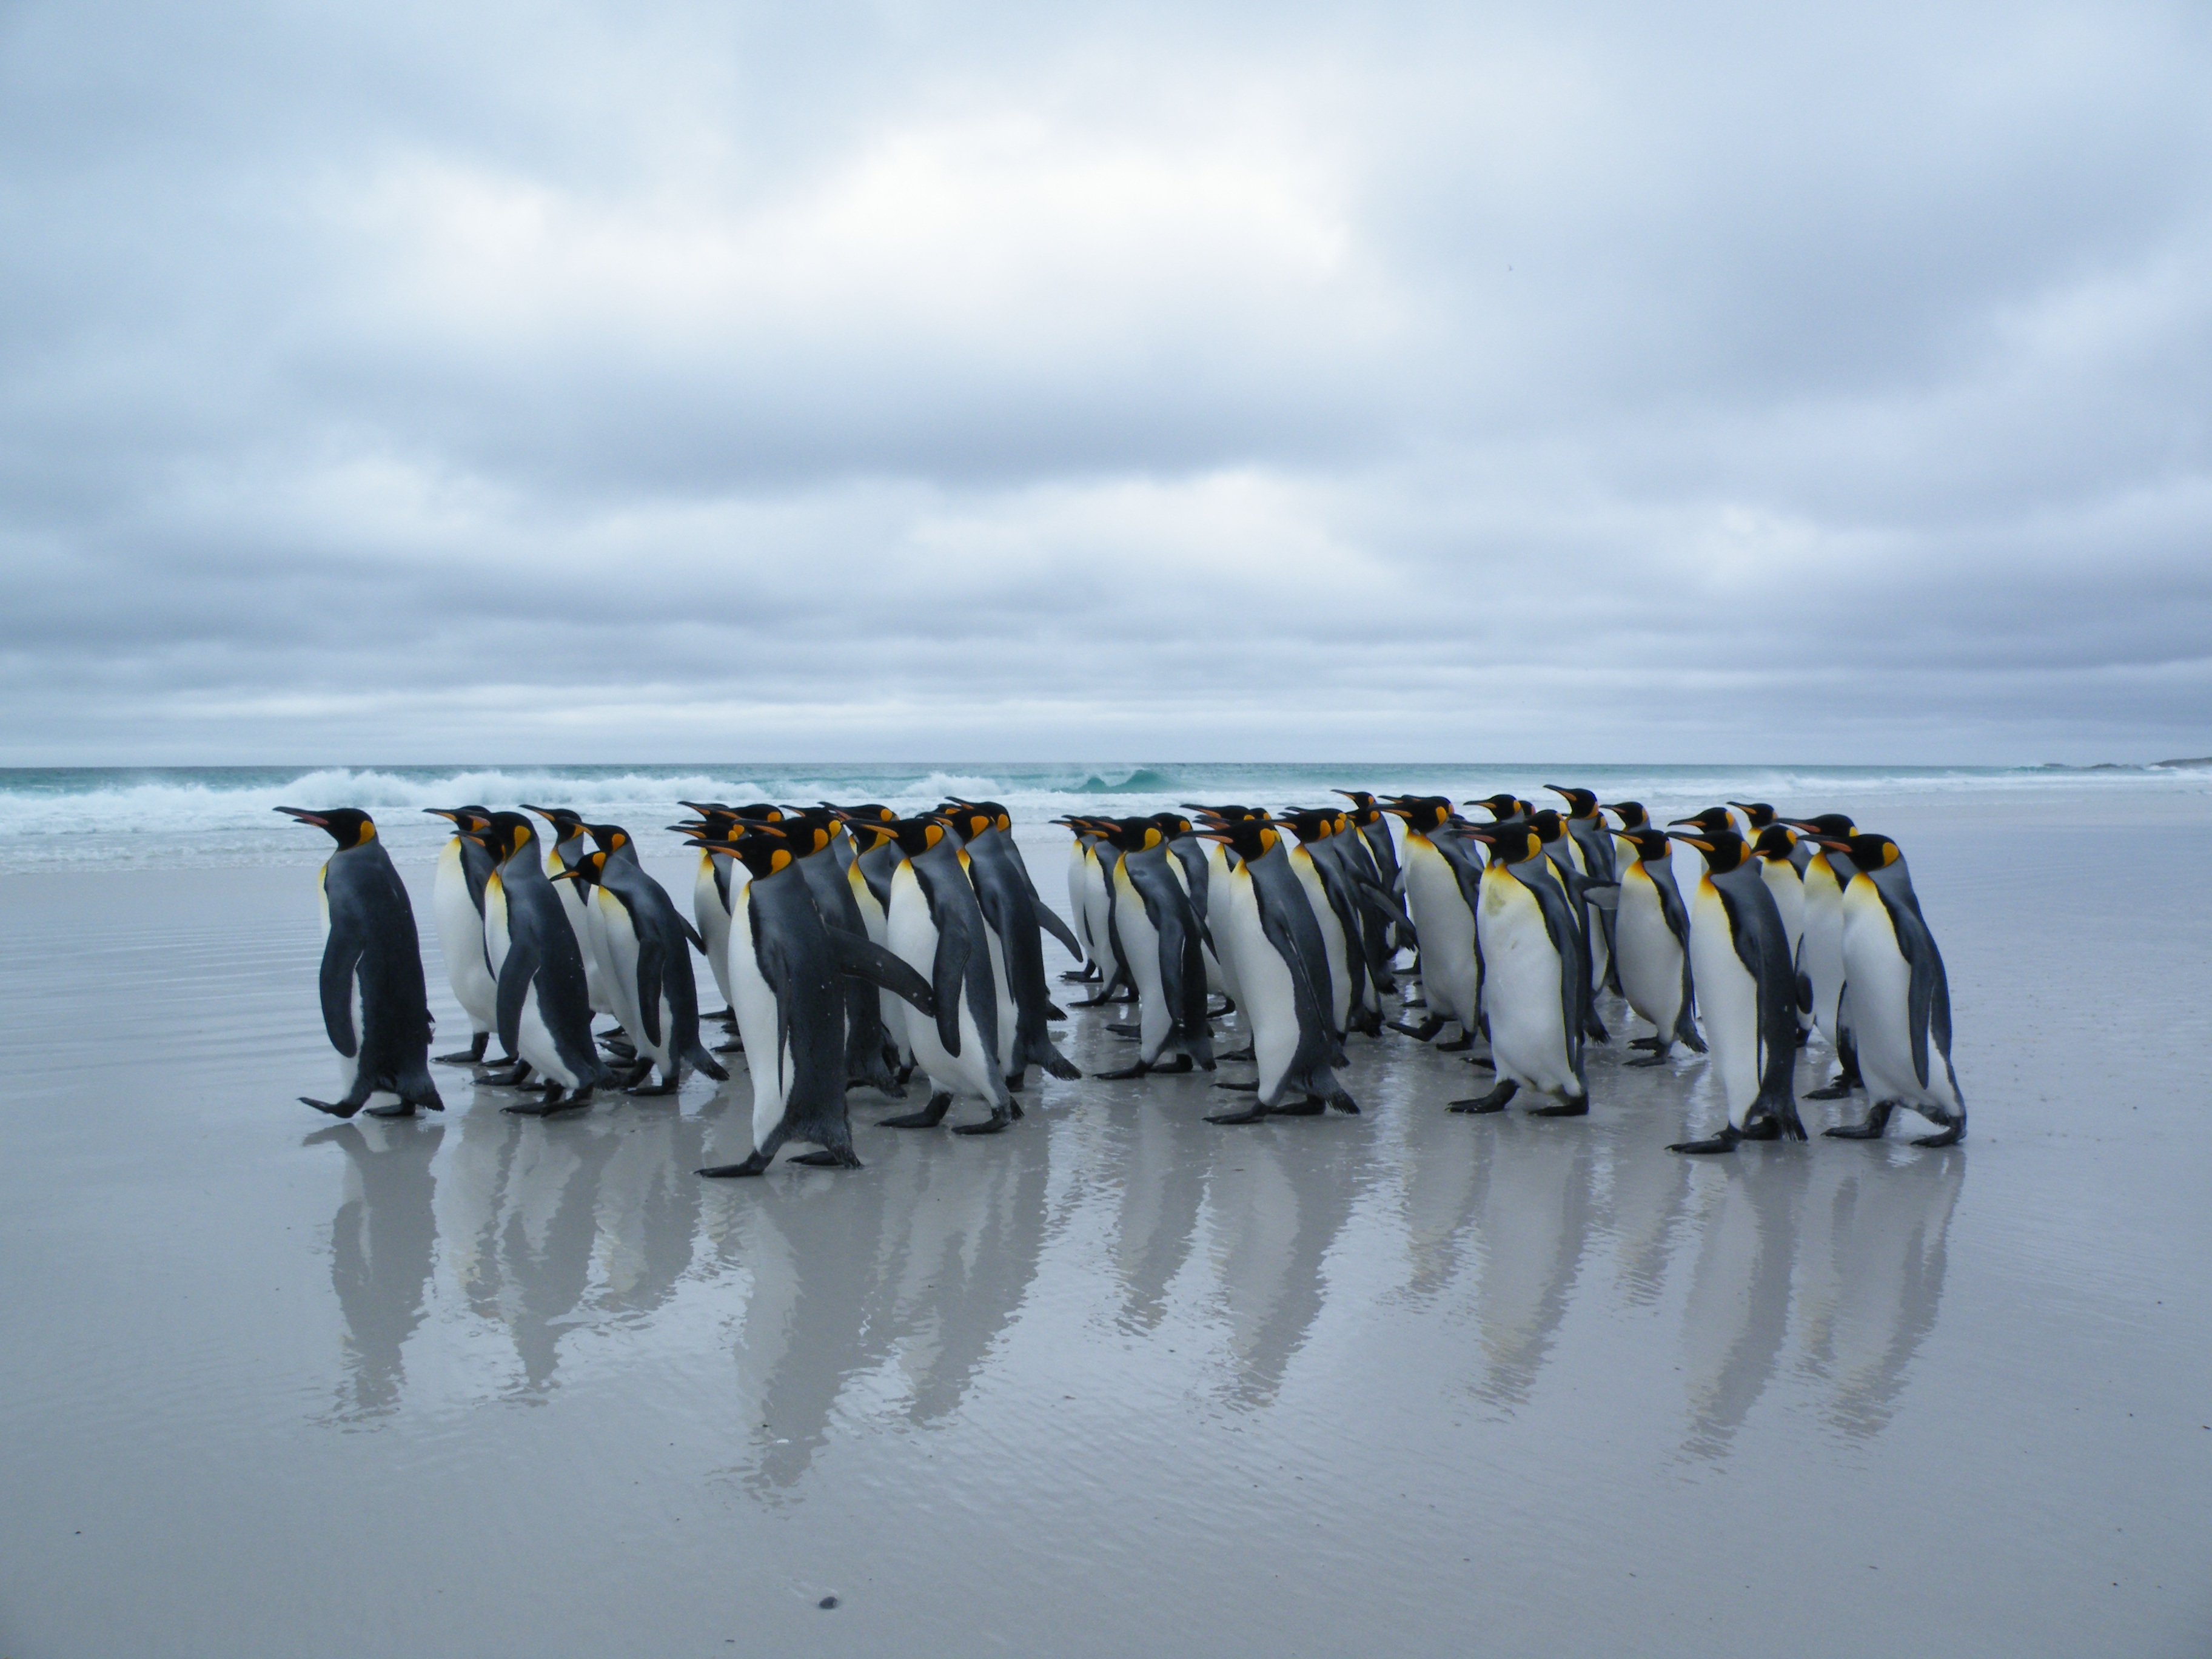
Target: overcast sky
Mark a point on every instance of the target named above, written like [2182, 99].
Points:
[655, 381]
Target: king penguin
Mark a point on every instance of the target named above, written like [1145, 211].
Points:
[1820, 951]
[1444, 878]
[937, 928]
[1652, 946]
[788, 969]
[1263, 925]
[1900, 996]
[569, 843]
[1158, 937]
[457, 905]
[1015, 917]
[544, 1009]
[648, 948]
[1746, 993]
[375, 1007]
[1536, 982]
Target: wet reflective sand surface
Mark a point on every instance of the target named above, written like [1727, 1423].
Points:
[1117, 1379]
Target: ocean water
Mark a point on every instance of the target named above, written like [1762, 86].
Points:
[208, 817]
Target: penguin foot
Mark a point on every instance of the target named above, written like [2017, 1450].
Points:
[927, 1118]
[1344, 1102]
[1877, 1120]
[1257, 1115]
[733, 1046]
[1760, 1128]
[1014, 1081]
[1659, 1059]
[666, 1086]
[1647, 1043]
[555, 1100]
[1495, 1101]
[1306, 1108]
[828, 1158]
[1081, 976]
[989, 1126]
[1125, 1074]
[1949, 1136]
[405, 1108]
[1724, 1142]
[1014, 1109]
[1421, 1033]
[1483, 1063]
[1059, 1065]
[752, 1166]
[1413, 1002]
[340, 1109]
[510, 1078]
[1458, 1045]
[1242, 1055]
[1240, 1088]
[1563, 1109]
[1838, 1090]
[1181, 1064]
[471, 1055]
[1118, 1028]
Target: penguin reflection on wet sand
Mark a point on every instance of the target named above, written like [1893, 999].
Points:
[789, 971]
[375, 1006]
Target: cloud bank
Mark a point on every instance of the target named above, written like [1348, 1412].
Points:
[729, 381]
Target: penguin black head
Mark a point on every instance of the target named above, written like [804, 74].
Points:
[348, 826]
[1363, 800]
[1230, 812]
[1868, 852]
[1503, 806]
[1548, 825]
[1633, 815]
[763, 848]
[874, 811]
[917, 835]
[869, 834]
[1311, 824]
[1757, 813]
[1713, 818]
[1836, 826]
[1584, 801]
[609, 837]
[584, 872]
[805, 834]
[464, 817]
[966, 821]
[1136, 834]
[1174, 824]
[1248, 838]
[1774, 841]
[1423, 813]
[1724, 849]
[999, 817]
[1651, 846]
[1511, 843]
[506, 835]
[570, 824]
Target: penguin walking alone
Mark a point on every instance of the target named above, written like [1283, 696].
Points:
[1535, 983]
[1746, 993]
[937, 928]
[1900, 996]
[1651, 946]
[376, 1009]
[1263, 925]
[544, 1008]
[457, 906]
[787, 968]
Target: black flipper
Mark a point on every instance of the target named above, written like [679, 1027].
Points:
[340, 958]
[865, 959]
[515, 977]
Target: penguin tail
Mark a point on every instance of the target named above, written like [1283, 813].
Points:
[704, 1061]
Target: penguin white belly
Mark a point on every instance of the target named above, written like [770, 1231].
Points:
[1788, 891]
[1098, 910]
[1007, 1012]
[1727, 1002]
[713, 922]
[611, 926]
[758, 1027]
[461, 941]
[1881, 980]
[495, 924]
[1649, 955]
[912, 936]
[1446, 927]
[1331, 937]
[1217, 871]
[1268, 995]
[534, 1043]
[1078, 910]
[1142, 941]
[572, 905]
[1821, 954]
[1521, 989]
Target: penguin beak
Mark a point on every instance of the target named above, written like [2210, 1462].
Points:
[1832, 846]
[569, 873]
[1702, 845]
[305, 816]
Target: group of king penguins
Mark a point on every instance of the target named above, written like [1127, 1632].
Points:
[853, 948]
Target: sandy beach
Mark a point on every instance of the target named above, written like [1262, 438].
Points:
[1117, 1380]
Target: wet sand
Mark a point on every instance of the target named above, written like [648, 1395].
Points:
[1117, 1380]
